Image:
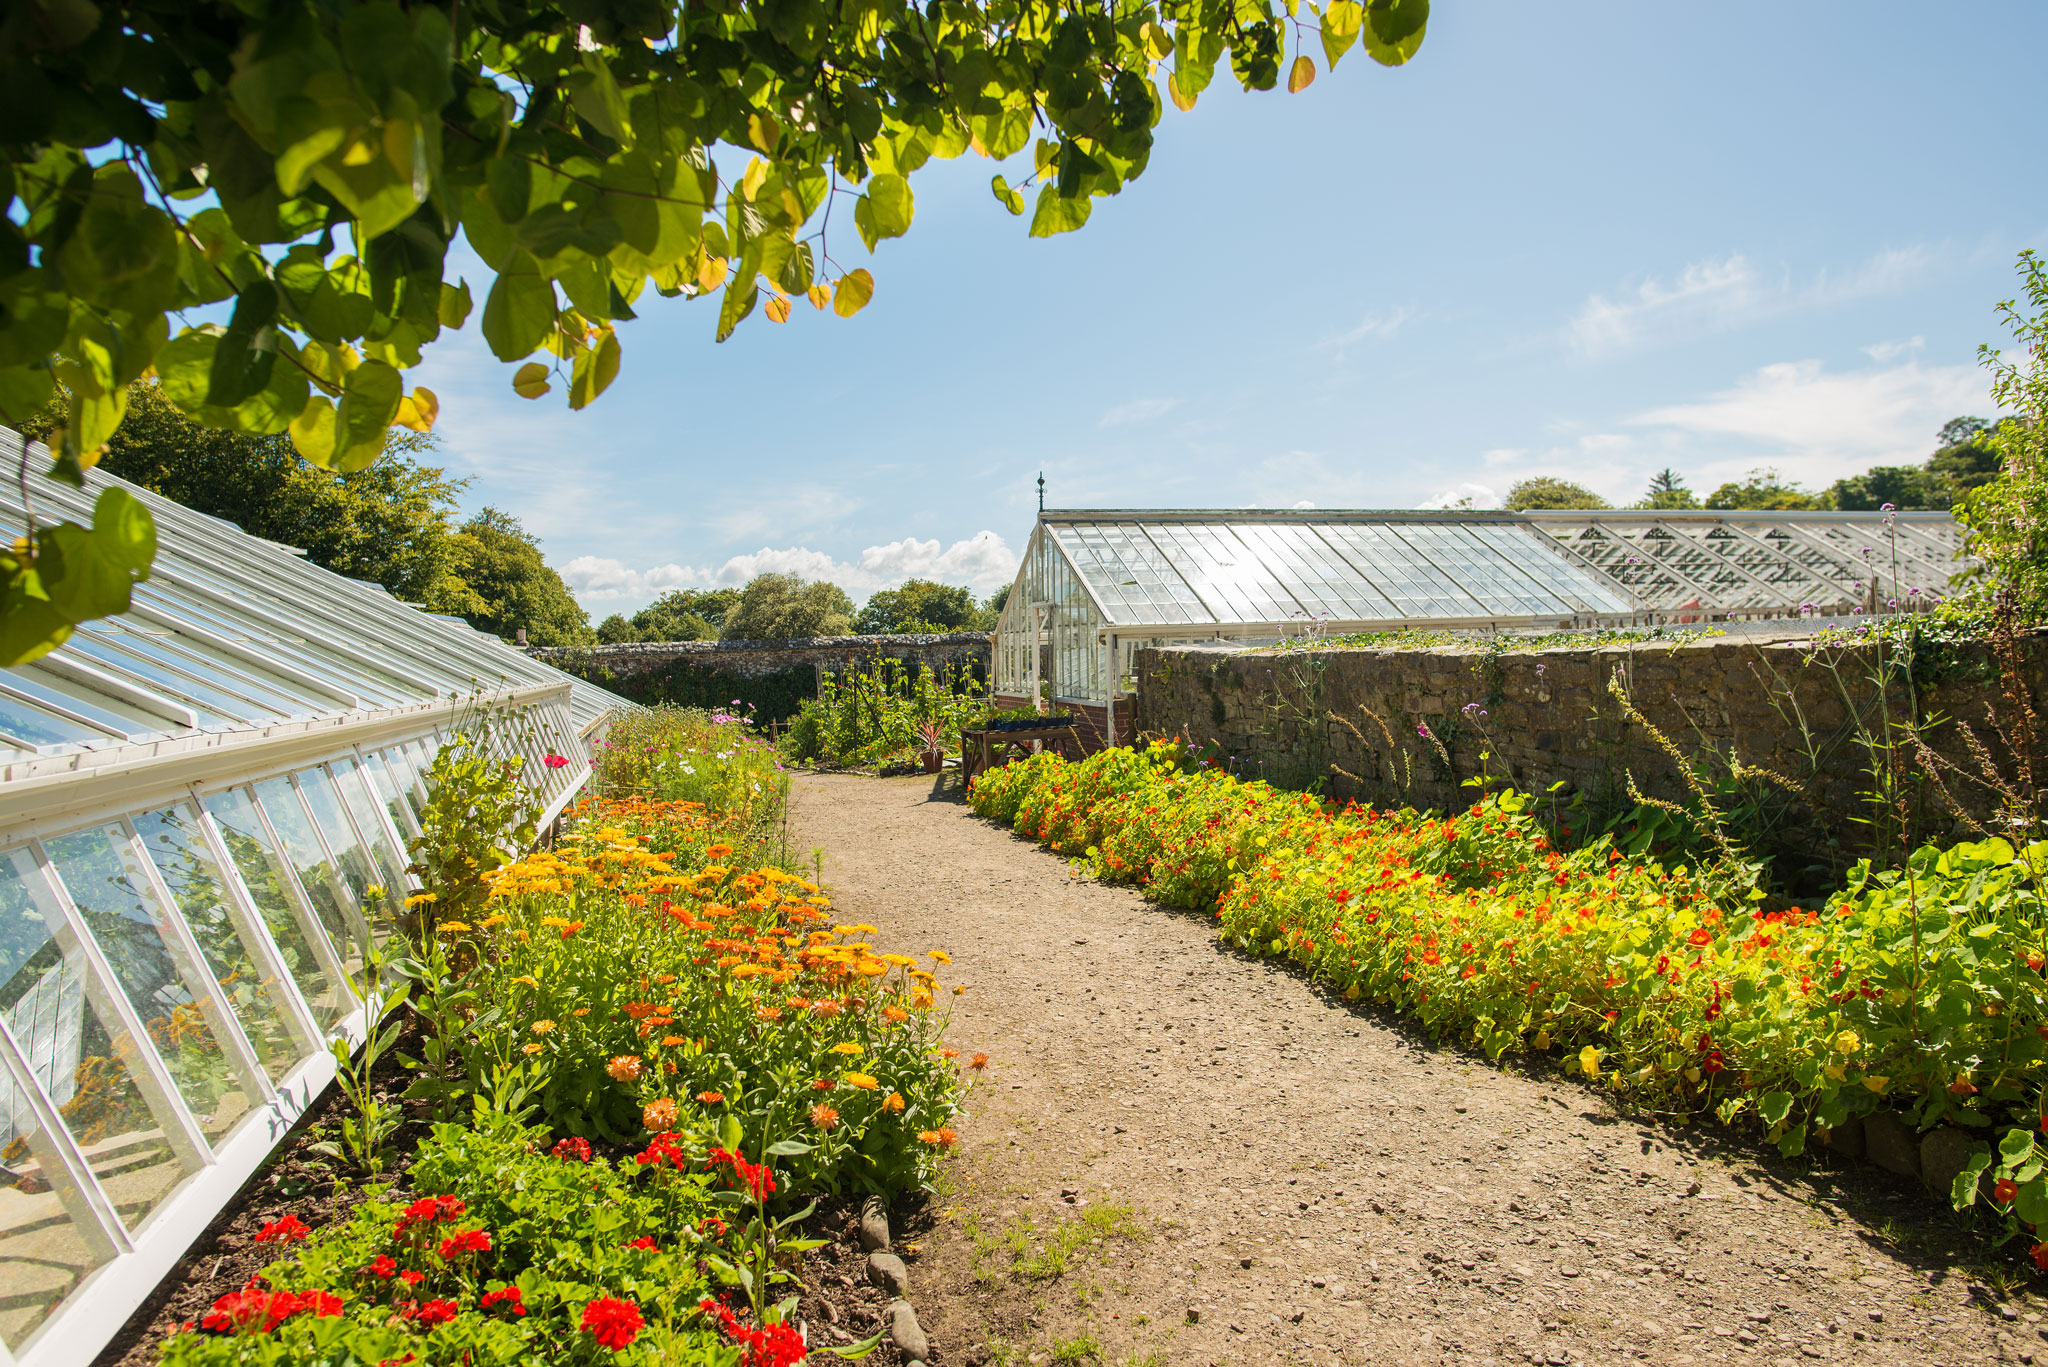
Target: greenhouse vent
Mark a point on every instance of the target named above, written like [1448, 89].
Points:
[1095, 586]
[197, 799]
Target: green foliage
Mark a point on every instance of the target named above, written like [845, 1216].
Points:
[869, 714]
[920, 605]
[787, 607]
[1548, 491]
[678, 615]
[558, 1230]
[2005, 516]
[306, 168]
[687, 682]
[506, 585]
[478, 816]
[1765, 490]
[688, 754]
[1668, 490]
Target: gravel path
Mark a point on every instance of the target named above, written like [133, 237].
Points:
[1308, 1182]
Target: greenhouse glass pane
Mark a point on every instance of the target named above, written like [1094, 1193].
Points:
[357, 866]
[182, 857]
[113, 896]
[389, 782]
[214, 708]
[268, 878]
[26, 722]
[241, 692]
[325, 887]
[48, 688]
[77, 1056]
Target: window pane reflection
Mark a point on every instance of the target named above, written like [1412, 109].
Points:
[323, 883]
[268, 879]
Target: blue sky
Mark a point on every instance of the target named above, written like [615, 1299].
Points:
[1573, 239]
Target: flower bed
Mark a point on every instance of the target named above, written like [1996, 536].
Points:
[1684, 989]
[646, 1058]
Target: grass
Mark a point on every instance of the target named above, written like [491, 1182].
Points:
[1083, 1347]
[1024, 1252]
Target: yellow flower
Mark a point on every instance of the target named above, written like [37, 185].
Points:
[847, 1047]
[420, 897]
[940, 956]
[1875, 1083]
[452, 928]
[529, 1049]
[490, 921]
[893, 1102]
[541, 1027]
[522, 978]
[1589, 1061]
[862, 1081]
[900, 960]
[554, 920]
[960, 989]
[1848, 1042]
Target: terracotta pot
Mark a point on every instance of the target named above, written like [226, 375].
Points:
[933, 763]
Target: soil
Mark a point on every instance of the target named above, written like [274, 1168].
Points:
[1180, 1154]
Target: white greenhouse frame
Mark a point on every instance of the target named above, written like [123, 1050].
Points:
[1094, 585]
[195, 797]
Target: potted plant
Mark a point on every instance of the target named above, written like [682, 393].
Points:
[934, 737]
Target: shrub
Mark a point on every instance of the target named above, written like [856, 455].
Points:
[863, 716]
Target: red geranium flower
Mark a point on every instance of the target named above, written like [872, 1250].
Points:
[426, 1211]
[382, 1266]
[434, 1312]
[412, 1278]
[574, 1149]
[555, 761]
[507, 1296]
[613, 1322]
[468, 1241]
[646, 1242]
[287, 1230]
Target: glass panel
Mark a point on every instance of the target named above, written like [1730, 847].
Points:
[210, 707]
[324, 886]
[355, 867]
[36, 727]
[179, 850]
[243, 680]
[76, 698]
[362, 805]
[395, 786]
[269, 881]
[113, 896]
[72, 1051]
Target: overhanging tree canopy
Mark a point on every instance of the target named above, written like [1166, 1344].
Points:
[305, 167]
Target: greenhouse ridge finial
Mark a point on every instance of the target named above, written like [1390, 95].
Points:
[1041, 491]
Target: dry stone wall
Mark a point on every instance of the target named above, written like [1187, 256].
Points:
[758, 659]
[1354, 720]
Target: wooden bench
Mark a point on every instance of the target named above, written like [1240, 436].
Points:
[984, 750]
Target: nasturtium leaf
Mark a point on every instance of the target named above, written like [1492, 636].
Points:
[520, 311]
[2031, 1204]
[594, 369]
[1056, 213]
[530, 381]
[1006, 196]
[2016, 1147]
[313, 431]
[1774, 1106]
[1301, 75]
[1393, 29]
[778, 308]
[852, 293]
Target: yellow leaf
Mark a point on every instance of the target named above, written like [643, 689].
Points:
[852, 293]
[819, 296]
[1158, 42]
[711, 274]
[1876, 1084]
[1302, 76]
[531, 381]
[754, 179]
[313, 431]
[763, 131]
[1181, 100]
[418, 410]
[778, 309]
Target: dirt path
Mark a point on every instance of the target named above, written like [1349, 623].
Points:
[1271, 1176]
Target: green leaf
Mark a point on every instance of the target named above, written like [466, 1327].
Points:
[1962, 1191]
[369, 403]
[124, 253]
[23, 392]
[853, 1352]
[520, 311]
[331, 302]
[1774, 1106]
[788, 1148]
[2031, 1204]
[1057, 213]
[852, 293]
[729, 1133]
[185, 365]
[1010, 199]
[891, 205]
[88, 573]
[594, 370]
[2016, 1148]
[1341, 22]
[1393, 29]
[739, 301]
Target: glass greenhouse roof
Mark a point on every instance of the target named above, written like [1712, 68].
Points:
[1208, 569]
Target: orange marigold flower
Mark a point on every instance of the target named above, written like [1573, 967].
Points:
[671, 1041]
[640, 1010]
[895, 1015]
[826, 1007]
[710, 1098]
[768, 1013]
[893, 1102]
[659, 1115]
[823, 1116]
[624, 1068]
[719, 851]
[978, 1062]
[823, 1084]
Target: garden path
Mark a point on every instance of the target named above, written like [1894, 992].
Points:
[1319, 1184]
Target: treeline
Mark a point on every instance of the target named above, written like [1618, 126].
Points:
[781, 607]
[1966, 458]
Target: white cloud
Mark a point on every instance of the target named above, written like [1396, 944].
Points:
[1713, 295]
[1882, 352]
[1818, 426]
[1501, 456]
[1138, 410]
[1480, 496]
[1378, 327]
[982, 562]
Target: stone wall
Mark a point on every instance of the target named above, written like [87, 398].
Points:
[1353, 719]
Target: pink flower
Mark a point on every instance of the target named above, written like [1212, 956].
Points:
[555, 761]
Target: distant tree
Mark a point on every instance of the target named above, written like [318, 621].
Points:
[2005, 514]
[918, 605]
[1959, 431]
[1548, 491]
[1668, 490]
[685, 615]
[782, 607]
[1765, 491]
[390, 523]
[616, 630]
[1903, 486]
[507, 585]
[993, 608]
[1969, 455]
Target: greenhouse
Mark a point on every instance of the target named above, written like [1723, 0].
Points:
[1096, 585]
[203, 802]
